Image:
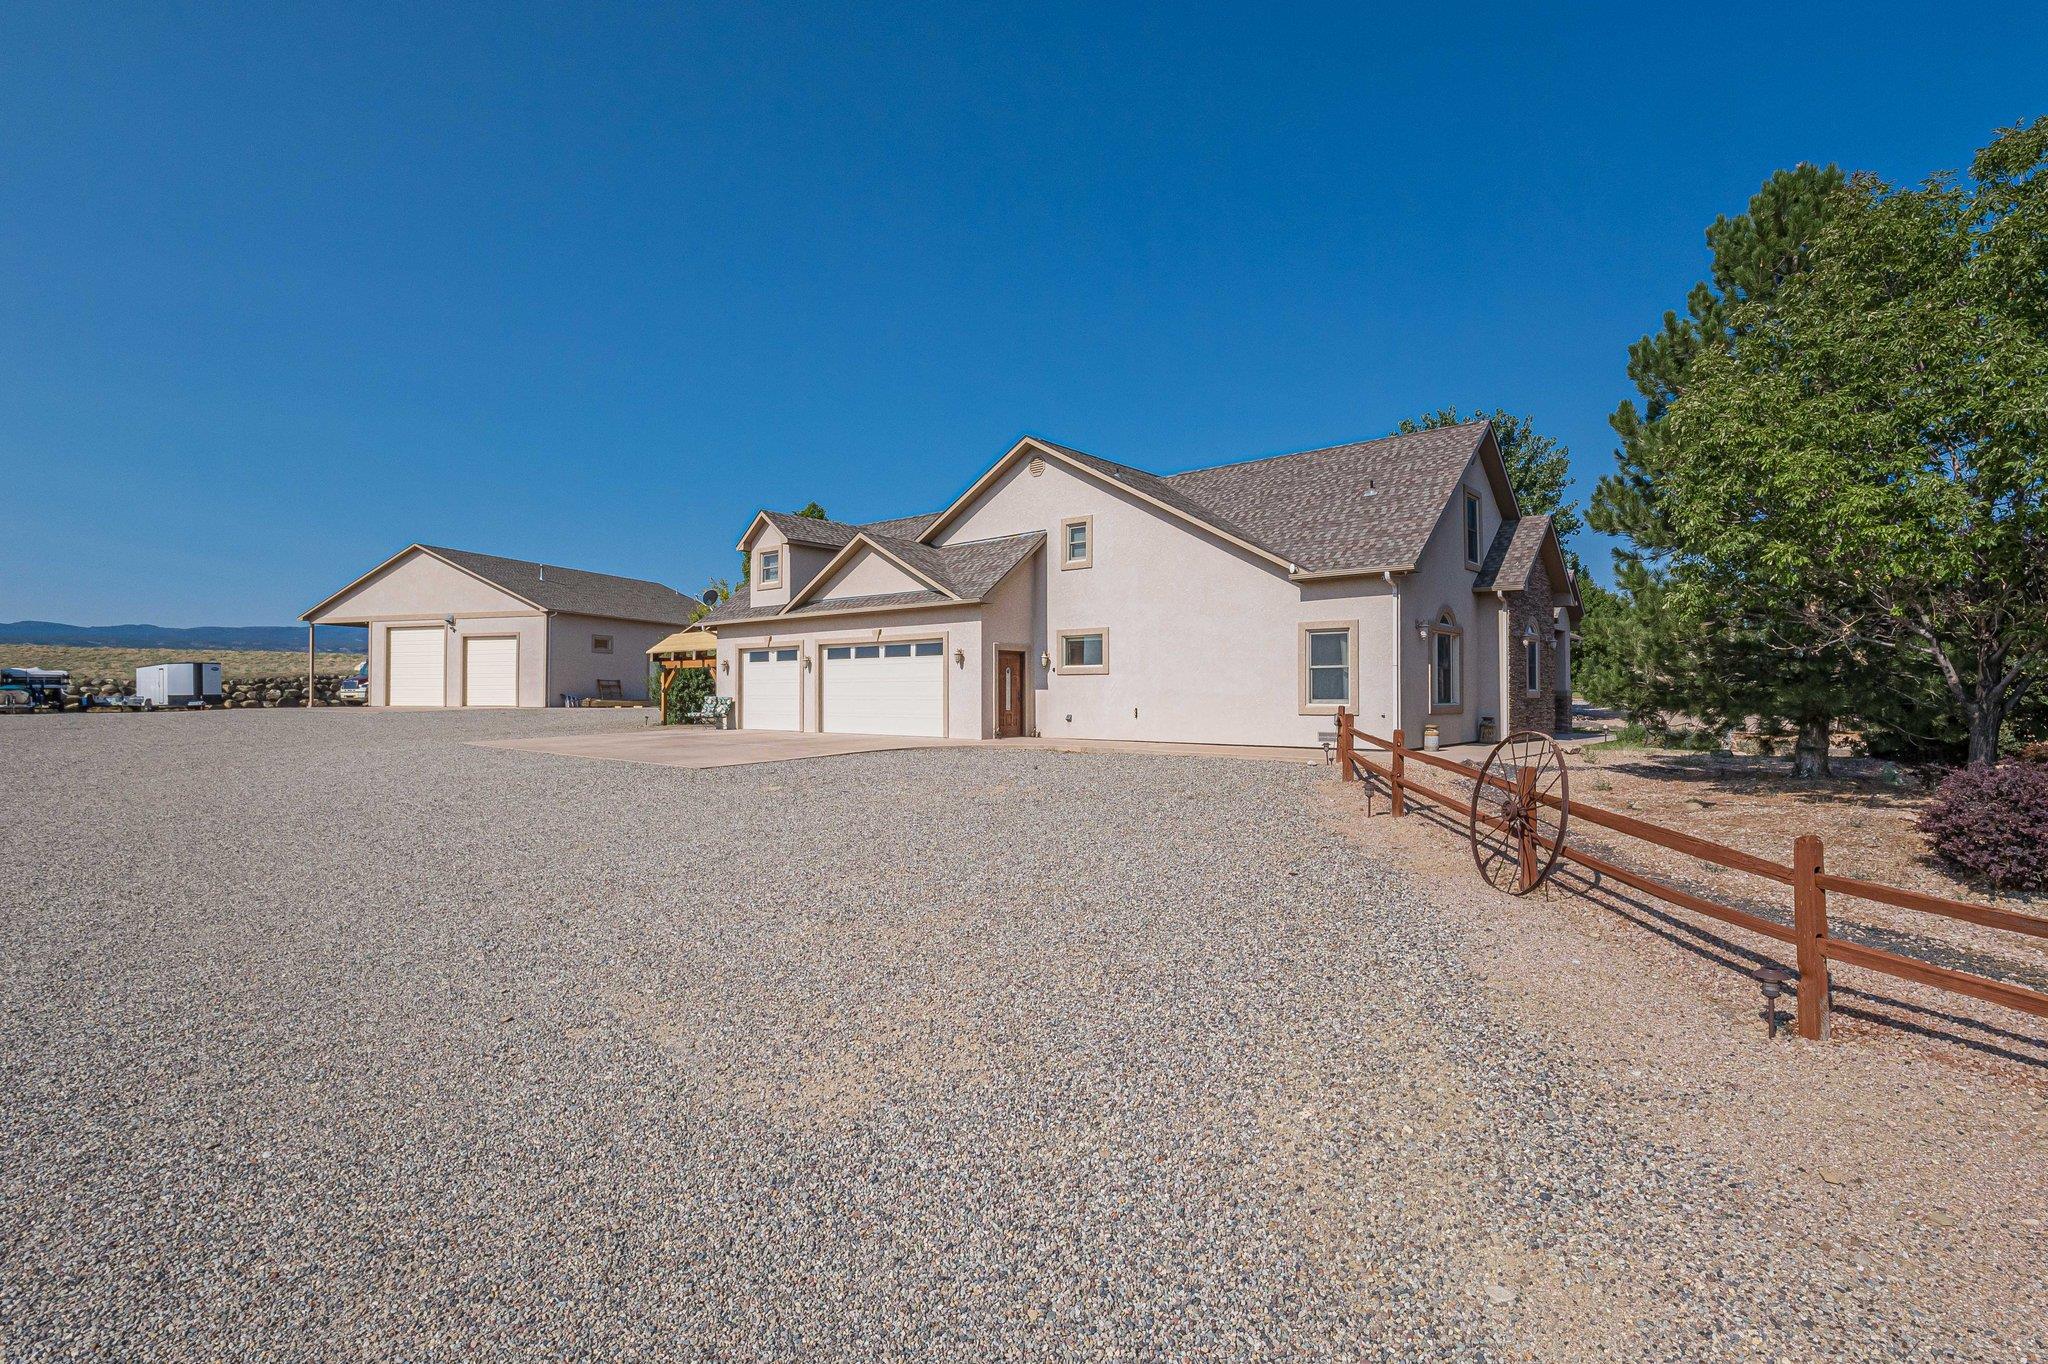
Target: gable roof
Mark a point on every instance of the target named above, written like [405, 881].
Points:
[960, 574]
[551, 587]
[1517, 547]
[1369, 505]
[820, 533]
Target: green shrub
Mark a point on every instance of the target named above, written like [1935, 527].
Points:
[689, 690]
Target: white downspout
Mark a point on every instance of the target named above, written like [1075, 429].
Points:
[1393, 718]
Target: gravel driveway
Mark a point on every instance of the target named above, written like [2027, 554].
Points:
[333, 1035]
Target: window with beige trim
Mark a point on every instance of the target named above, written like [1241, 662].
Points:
[1077, 542]
[1446, 664]
[1473, 549]
[1082, 651]
[1329, 666]
[600, 644]
[771, 568]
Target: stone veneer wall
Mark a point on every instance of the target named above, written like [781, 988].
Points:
[1531, 609]
[244, 693]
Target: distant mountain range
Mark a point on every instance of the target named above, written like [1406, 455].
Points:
[346, 639]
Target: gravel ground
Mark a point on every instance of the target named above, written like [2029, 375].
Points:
[329, 1035]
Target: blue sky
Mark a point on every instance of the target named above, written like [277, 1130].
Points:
[284, 289]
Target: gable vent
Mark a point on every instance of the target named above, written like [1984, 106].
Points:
[1037, 467]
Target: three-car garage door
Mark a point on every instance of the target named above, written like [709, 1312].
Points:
[885, 689]
[416, 666]
[768, 689]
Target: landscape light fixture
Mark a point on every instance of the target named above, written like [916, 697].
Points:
[1773, 980]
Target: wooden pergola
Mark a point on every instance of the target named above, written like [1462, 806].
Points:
[681, 651]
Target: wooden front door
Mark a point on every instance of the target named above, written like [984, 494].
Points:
[1009, 694]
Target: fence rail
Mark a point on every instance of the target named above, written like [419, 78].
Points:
[1813, 946]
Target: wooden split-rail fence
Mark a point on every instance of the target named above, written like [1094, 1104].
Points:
[1814, 948]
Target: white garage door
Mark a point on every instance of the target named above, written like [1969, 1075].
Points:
[768, 683]
[417, 667]
[885, 688]
[490, 671]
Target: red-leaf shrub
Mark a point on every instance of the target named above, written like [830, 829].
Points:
[1992, 822]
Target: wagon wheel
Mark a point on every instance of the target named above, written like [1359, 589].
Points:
[1519, 809]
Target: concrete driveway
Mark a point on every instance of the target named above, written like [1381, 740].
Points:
[690, 746]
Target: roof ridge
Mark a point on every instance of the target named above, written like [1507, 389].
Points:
[538, 563]
[1325, 449]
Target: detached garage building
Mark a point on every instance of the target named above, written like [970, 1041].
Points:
[449, 627]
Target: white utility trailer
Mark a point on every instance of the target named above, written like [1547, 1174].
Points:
[178, 685]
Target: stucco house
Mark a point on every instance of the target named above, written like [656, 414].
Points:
[1066, 595]
[449, 627]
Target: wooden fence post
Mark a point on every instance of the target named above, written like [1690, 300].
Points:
[1525, 851]
[1344, 772]
[1397, 798]
[1810, 926]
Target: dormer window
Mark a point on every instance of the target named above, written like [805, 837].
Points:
[771, 568]
[1472, 554]
[1077, 542]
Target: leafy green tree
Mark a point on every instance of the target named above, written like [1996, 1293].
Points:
[1539, 467]
[1727, 648]
[1873, 441]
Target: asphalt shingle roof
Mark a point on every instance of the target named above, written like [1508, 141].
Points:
[1371, 504]
[969, 571]
[1512, 554]
[555, 588]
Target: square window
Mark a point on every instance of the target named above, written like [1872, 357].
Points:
[929, 648]
[600, 644]
[1082, 651]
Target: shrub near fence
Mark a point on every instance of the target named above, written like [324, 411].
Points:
[1810, 883]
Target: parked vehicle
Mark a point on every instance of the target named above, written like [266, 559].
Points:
[356, 690]
[173, 686]
[34, 688]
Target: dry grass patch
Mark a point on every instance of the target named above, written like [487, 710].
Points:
[121, 663]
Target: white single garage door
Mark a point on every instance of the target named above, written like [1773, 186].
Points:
[768, 688]
[490, 671]
[416, 667]
[885, 688]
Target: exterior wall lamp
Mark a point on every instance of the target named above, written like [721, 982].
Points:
[1045, 658]
[725, 665]
[959, 658]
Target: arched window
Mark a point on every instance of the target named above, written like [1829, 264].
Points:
[1446, 664]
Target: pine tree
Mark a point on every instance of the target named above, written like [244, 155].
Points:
[1724, 651]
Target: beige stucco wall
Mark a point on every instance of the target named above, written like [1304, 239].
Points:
[868, 574]
[957, 627]
[416, 587]
[530, 627]
[1204, 638]
[575, 668]
[1443, 579]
